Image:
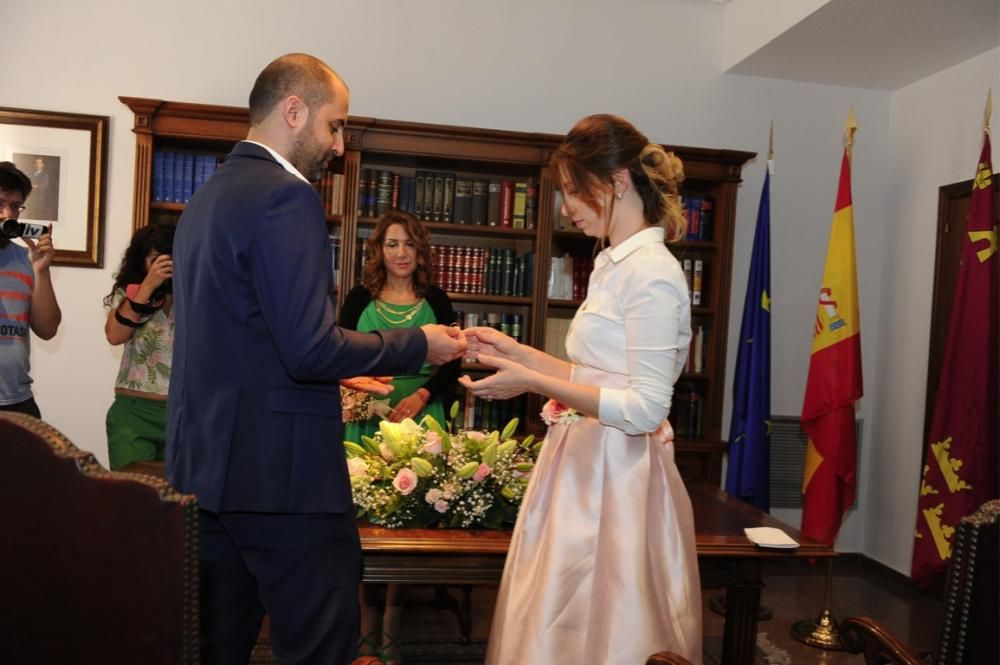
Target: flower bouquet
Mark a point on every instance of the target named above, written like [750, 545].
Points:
[418, 475]
[358, 405]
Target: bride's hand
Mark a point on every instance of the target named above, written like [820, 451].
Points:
[376, 385]
[510, 379]
[492, 342]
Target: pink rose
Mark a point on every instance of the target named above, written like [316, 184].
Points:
[405, 481]
[432, 443]
[441, 506]
[473, 435]
[481, 473]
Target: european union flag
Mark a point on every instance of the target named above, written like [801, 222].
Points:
[748, 473]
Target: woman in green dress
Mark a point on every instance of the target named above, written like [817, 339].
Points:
[397, 291]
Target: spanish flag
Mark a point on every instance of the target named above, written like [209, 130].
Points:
[962, 455]
[834, 383]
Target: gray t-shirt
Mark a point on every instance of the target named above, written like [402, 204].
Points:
[17, 280]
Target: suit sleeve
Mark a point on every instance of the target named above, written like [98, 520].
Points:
[291, 276]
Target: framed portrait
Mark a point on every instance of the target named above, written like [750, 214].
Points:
[65, 157]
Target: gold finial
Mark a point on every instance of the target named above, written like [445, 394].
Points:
[770, 150]
[989, 110]
[850, 128]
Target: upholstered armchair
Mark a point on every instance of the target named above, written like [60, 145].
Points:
[968, 633]
[95, 566]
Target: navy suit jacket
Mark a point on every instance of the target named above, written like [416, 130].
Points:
[254, 416]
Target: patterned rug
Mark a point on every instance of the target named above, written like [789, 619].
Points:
[450, 652]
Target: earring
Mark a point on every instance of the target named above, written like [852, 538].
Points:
[620, 195]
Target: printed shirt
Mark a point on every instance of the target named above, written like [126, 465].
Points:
[148, 354]
[17, 281]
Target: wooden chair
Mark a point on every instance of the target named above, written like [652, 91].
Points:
[96, 566]
[968, 631]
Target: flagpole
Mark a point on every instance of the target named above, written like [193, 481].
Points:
[989, 110]
[824, 632]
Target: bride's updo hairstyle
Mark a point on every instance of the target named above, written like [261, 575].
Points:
[599, 145]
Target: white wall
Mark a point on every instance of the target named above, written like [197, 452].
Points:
[511, 64]
[935, 138]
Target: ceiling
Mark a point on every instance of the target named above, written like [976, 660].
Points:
[878, 44]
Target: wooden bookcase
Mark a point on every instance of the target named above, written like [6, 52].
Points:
[406, 148]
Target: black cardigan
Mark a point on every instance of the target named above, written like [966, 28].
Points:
[443, 379]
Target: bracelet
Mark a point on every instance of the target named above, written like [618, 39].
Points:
[140, 308]
[126, 321]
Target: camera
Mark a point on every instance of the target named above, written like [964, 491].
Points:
[11, 228]
[163, 289]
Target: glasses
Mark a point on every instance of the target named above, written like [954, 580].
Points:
[13, 208]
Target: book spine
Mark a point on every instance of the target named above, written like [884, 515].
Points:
[520, 205]
[463, 202]
[531, 205]
[158, 159]
[438, 197]
[506, 203]
[448, 203]
[493, 203]
[696, 283]
[479, 200]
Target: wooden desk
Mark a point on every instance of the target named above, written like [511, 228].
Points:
[725, 558]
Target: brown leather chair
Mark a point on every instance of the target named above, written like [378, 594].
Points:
[968, 631]
[95, 566]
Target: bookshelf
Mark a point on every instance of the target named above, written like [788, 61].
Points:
[480, 157]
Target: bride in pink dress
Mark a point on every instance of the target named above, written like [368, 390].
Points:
[602, 565]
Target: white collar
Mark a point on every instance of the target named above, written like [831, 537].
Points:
[648, 236]
[285, 164]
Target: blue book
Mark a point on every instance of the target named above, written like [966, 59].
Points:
[188, 187]
[157, 175]
[178, 195]
[169, 166]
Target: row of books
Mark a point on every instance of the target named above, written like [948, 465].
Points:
[509, 323]
[700, 214]
[489, 415]
[335, 258]
[438, 196]
[696, 352]
[686, 411]
[483, 270]
[331, 191]
[694, 272]
[569, 277]
[177, 175]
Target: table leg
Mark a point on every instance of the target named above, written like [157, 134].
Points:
[739, 641]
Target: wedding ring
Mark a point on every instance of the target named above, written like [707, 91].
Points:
[488, 399]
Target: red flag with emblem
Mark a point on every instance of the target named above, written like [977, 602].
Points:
[960, 466]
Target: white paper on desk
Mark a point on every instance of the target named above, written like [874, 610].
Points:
[769, 536]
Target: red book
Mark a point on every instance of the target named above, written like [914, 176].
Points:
[507, 203]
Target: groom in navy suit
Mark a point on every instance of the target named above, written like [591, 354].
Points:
[254, 426]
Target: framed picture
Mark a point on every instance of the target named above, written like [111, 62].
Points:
[65, 156]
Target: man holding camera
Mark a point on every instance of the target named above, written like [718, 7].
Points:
[27, 299]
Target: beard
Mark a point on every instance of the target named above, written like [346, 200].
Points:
[308, 156]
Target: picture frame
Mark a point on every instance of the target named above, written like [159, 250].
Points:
[65, 156]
